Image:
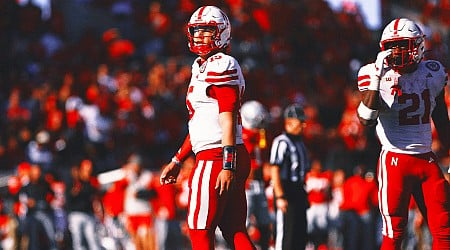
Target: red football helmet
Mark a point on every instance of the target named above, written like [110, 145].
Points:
[209, 17]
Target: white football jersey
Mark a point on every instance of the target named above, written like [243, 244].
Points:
[204, 129]
[404, 122]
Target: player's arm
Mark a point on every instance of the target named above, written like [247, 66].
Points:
[223, 75]
[277, 153]
[228, 100]
[441, 122]
[170, 171]
[279, 194]
[184, 152]
[276, 182]
[369, 78]
[368, 108]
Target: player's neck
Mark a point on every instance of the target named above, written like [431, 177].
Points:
[200, 61]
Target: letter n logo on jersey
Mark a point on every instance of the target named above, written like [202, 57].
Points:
[394, 161]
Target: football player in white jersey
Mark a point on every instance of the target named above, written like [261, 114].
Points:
[401, 93]
[217, 181]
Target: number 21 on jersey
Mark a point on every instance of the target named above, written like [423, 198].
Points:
[414, 100]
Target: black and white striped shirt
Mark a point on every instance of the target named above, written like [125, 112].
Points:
[290, 154]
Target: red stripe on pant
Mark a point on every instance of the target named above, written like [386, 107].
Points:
[401, 176]
[207, 210]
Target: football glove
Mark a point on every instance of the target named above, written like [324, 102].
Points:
[379, 66]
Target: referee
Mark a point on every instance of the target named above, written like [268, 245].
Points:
[289, 163]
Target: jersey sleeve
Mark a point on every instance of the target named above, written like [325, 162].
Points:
[279, 148]
[227, 97]
[364, 76]
[185, 149]
[437, 73]
[223, 70]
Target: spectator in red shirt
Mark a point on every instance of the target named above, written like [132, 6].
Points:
[360, 197]
[119, 49]
[7, 229]
[167, 227]
[318, 187]
[158, 21]
[16, 112]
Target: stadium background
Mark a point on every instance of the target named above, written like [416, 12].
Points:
[129, 59]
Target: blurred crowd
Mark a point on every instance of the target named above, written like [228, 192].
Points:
[94, 86]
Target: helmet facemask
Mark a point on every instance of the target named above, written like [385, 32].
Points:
[198, 47]
[405, 52]
[407, 42]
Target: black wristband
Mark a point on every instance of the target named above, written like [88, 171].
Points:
[229, 158]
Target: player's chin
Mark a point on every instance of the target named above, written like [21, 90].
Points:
[199, 43]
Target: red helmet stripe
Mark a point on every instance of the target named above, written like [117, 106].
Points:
[397, 21]
[200, 13]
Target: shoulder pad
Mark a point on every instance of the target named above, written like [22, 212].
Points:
[366, 69]
[222, 69]
[436, 70]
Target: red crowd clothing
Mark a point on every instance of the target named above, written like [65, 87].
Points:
[6, 226]
[251, 141]
[318, 186]
[134, 222]
[164, 205]
[352, 131]
[359, 195]
[115, 193]
[17, 114]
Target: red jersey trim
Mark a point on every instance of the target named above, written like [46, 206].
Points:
[226, 72]
[364, 81]
[364, 84]
[221, 79]
[364, 77]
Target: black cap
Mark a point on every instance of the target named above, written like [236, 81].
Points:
[295, 111]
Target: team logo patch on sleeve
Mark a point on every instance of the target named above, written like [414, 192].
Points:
[433, 66]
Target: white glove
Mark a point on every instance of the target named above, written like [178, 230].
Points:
[379, 66]
[379, 63]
